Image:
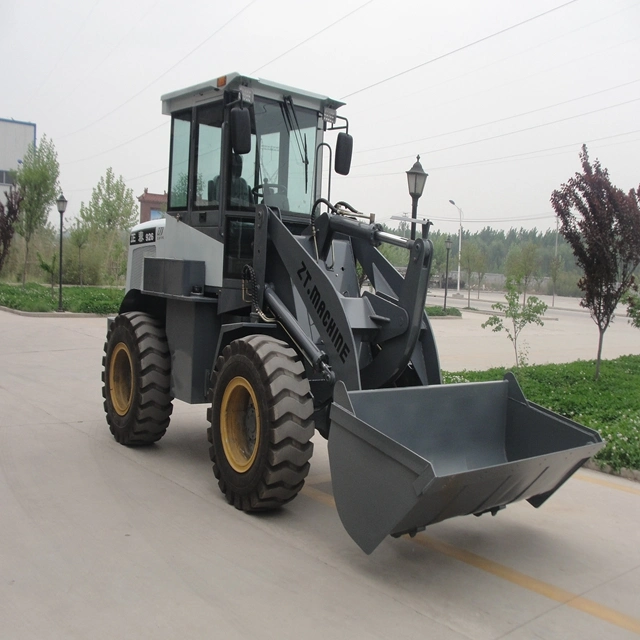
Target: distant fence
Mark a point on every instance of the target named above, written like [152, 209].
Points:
[491, 281]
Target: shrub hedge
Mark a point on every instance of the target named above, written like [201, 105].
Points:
[611, 405]
[439, 311]
[36, 297]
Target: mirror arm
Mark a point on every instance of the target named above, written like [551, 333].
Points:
[345, 126]
[328, 146]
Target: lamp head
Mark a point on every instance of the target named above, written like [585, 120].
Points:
[417, 178]
[62, 204]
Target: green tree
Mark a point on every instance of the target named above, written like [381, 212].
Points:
[633, 307]
[112, 206]
[522, 265]
[48, 267]
[555, 266]
[110, 213]
[601, 223]
[404, 229]
[8, 218]
[519, 316]
[37, 179]
[439, 254]
[482, 264]
[79, 237]
[469, 260]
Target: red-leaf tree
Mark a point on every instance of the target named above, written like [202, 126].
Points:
[601, 223]
[8, 217]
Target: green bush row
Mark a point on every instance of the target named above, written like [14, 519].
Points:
[35, 297]
[611, 405]
[439, 311]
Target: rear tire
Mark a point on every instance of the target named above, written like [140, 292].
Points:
[261, 423]
[136, 379]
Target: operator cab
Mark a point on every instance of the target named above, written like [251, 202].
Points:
[238, 142]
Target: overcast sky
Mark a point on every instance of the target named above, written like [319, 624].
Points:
[496, 109]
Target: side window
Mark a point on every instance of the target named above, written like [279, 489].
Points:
[179, 168]
[209, 139]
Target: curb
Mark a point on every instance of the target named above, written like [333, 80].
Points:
[627, 474]
[52, 314]
[579, 309]
[496, 313]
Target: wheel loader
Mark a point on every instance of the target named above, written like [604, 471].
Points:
[248, 297]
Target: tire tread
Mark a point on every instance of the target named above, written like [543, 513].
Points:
[290, 423]
[154, 403]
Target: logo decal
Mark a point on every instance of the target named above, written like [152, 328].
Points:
[324, 314]
[142, 237]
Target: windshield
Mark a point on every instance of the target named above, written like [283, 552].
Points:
[286, 143]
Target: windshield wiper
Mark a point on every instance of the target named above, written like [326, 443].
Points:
[291, 120]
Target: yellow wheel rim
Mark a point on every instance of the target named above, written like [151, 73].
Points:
[121, 379]
[240, 424]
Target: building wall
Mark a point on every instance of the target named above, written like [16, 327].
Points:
[15, 138]
[152, 205]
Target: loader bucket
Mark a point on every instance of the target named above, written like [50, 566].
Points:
[402, 459]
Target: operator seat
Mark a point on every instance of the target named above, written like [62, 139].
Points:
[272, 197]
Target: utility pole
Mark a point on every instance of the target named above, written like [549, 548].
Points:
[555, 265]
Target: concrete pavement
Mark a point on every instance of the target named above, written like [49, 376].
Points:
[568, 334]
[100, 541]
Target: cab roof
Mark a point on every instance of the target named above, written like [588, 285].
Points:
[213, 89]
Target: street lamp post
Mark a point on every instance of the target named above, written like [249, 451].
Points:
[459, 243]
[417, 178]
[62, 206]
[555, 264]
[447, 244]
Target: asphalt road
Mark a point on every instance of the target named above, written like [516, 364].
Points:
[100, 541]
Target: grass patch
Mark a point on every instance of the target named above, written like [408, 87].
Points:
[36, 297]
[611, 405]
[439, 311]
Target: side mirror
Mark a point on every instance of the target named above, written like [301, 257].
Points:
[240, 121]
[344, 150]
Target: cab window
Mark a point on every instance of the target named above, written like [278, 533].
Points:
[179, 165]
[209, 120]
[286, 149]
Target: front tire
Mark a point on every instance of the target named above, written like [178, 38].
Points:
[136, 379]
[261, 423]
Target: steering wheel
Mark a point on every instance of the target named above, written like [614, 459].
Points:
[281, 189]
